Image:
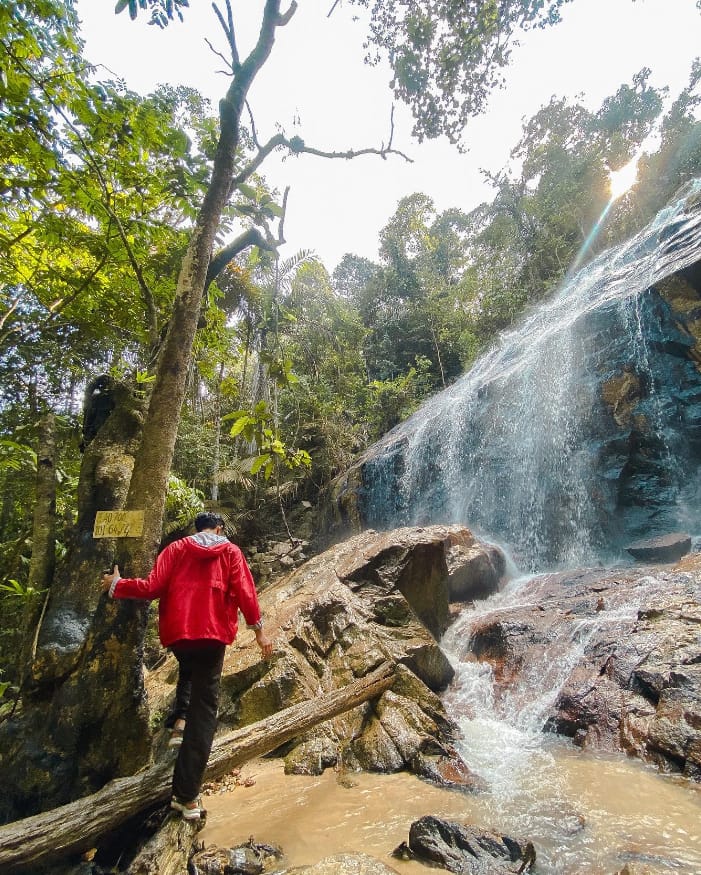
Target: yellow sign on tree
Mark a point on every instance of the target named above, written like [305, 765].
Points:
[118, 524]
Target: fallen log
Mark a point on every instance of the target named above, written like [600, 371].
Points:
[168, 851]
[78, 826]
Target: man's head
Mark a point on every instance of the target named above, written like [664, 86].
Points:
[208, 520]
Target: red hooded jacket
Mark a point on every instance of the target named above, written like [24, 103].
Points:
[200, 590]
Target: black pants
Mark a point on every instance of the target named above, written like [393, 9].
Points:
[196, 701]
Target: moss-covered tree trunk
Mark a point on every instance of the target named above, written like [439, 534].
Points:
[69, 734]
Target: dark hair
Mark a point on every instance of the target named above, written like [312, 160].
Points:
[208, 520]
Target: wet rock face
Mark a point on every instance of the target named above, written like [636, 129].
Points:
[250, 859]
[377, 597]
[621, 652]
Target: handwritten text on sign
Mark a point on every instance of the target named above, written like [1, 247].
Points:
[118, 524]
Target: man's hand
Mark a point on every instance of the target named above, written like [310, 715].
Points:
[108, 578]
[265, 644]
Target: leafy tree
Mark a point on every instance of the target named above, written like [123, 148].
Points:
[677, 159]
[408, 303]
[131, 224]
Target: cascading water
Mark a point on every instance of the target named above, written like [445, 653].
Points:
[584, 812]
[580, 431]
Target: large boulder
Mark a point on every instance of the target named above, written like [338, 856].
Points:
[665, 548]
[374, 598]
[466, 849]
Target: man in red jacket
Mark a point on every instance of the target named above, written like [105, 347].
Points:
[201, 582]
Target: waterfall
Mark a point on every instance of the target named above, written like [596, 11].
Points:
[580, 430]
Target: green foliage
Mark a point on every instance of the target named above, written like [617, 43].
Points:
[391, 401]
[15, 589]
[162, 11]
[183, 503]
[17, 457]
[258, 428]
[6, 703]
[99, 189]
[448, 56]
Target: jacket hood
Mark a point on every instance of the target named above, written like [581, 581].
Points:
[206, 544]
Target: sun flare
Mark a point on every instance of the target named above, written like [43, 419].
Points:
[620, 181]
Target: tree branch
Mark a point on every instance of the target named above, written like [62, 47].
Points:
[254, 133]
[263, 152]
[219, 54]
[284, 19]
[297, 146]
[251, 237]
[228, 28]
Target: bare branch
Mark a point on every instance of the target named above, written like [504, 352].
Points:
[283, 19]
[230, 70]
[228, 29]
[263, 152]
[298, 146]
[251, 237]
[330, 12]
[230, 19]
[254, 132]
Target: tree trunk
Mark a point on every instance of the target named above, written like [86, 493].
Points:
[168, 851]
[71, 735]
[43, 560]
[150, 478]
[78, 826]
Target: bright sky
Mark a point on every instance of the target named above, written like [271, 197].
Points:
[316, 86]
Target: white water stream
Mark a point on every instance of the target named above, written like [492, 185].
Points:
[585, 812]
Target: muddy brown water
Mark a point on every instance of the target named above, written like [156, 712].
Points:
[617, 811]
